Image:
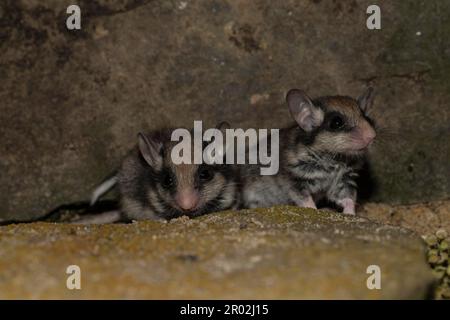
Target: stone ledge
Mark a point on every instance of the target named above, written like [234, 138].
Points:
[281, 252]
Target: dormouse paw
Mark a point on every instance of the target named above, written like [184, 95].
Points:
[348, 206]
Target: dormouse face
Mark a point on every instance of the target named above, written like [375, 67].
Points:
[184, 189]
[336, 124]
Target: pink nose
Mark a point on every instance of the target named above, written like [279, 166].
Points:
[187, 200]
[369, 135]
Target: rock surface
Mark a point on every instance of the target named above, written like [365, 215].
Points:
[423, 218]
[72, 102]
[283, 252]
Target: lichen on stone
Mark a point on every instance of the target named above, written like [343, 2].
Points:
[438, 258]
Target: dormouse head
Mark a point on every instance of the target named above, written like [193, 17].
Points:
[182, 189]
[338, 125]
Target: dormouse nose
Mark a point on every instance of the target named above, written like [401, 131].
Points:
[187, 200]
[366, 133]
[369, 135]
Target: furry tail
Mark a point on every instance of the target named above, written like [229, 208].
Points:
[103, 188]
[100, 218]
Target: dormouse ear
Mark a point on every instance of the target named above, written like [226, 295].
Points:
[365, 101]
[150, 150]
[307, 116]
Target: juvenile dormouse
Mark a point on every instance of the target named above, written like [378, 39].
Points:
[319, 155]
[151, 186]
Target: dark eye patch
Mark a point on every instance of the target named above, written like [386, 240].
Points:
[167, 179]
[205, 173]
[336, 121]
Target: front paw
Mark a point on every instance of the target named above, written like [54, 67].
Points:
[308, 203]
[348, 206]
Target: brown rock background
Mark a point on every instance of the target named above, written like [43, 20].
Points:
[71, 102]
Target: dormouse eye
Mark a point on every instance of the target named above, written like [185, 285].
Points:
[167, 180]
[336, 122]
[205, 174]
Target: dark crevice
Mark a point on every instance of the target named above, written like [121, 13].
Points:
[94, 9]
[416, 77]
[70, 212]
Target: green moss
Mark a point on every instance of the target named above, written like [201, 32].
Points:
[438, 258]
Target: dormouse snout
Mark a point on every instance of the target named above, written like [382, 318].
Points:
[187, 199]
[363, 136]
[367, 133]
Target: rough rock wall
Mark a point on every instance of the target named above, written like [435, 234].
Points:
[71, 102]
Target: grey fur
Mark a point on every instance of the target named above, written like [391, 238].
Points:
[312, 163]
[144, 197]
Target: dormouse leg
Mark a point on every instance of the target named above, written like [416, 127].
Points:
[303, 199]
[343, 193]
[348, 206]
